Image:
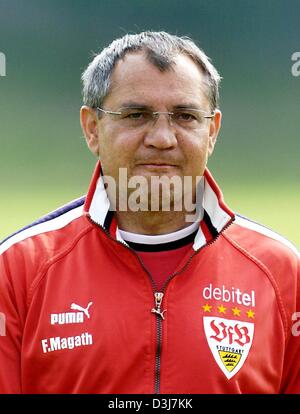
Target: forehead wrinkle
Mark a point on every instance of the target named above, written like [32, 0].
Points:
[130, 80]
[134, 105]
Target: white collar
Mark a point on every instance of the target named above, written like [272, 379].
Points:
[160, 238]
[216, 213]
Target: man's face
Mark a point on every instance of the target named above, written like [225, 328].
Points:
[160, 148]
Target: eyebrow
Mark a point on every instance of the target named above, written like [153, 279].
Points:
[134, 105]
[187, 106]
[137, 105]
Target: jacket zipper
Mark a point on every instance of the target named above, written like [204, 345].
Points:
[158, 304]
[158, 296]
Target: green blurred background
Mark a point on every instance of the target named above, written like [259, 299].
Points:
[44, 160]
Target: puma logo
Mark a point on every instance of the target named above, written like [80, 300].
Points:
[71, 317]
[74, 306]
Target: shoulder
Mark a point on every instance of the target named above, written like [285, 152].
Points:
[26, 256]
[47, 232]
[277, 258]
[260, 240]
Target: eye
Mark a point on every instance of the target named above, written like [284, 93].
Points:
[135, 115]
[186, 116]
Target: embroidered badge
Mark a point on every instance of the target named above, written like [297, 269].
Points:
[229, 341]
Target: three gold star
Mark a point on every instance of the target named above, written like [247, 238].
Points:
[250, 314]
[221, 309]
[207, 307]
[236, 311]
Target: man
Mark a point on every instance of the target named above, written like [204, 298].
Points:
[150, 284]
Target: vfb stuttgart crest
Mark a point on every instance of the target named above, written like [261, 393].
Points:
[229, 341]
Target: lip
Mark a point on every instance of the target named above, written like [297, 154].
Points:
[157, 165]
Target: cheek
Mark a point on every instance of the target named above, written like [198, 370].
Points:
[116, 150]
[196, 156]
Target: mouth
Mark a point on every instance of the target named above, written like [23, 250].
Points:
[157, 163]
[157, 166]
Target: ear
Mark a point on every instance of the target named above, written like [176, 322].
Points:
[214, 128]
[89, 125]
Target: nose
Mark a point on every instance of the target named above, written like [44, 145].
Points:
[161, 134]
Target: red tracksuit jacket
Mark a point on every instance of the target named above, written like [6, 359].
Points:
[79, 313]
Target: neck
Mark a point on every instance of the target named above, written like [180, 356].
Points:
[151, 223]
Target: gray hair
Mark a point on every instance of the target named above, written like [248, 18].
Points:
[160, 47]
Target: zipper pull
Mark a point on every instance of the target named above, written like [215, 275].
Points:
[158, 296]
